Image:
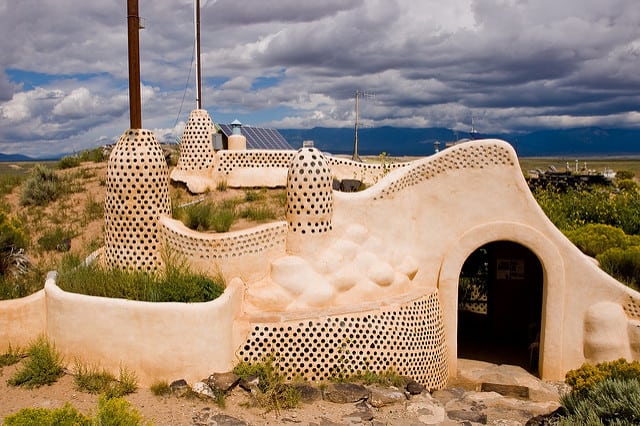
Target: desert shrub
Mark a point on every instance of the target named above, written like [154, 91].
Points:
[594, 239]
[207, 216]
[386, 378]
[65, 416]
[624, 174]
[12, 240]
[628, 185]
[91, 379]
[117, 412]
[273, 393]
[609, 402]
[584, 379]
[11, 356]
[42, 186]
[56, 238]
[9, 181]
[252, 195]
[160, 388]
[623, 264]
[24, 284]
[68, 162]
[42, 367]
[95, 155]
[93, 209]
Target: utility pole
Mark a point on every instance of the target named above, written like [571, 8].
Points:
[135, 104]
[355, 156]
[196, 18]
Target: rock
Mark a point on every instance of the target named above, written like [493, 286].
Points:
[343, 393]
[381, 396]
[426, 409]
[308, 393]
[468, 416]
[250, 384]
[446, 395]
[203, 389]
[223, 381]
[363, 413]
[179, 387]
[515, 391]
[413, 387]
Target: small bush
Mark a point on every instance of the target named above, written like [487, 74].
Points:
[207, 216]
[12, 240]
[65, 416]
[68, 162]
[42, 367]
[117, 412]
[11, 356]
[608, 402]
[222, 219]
[41, 187]
[9, 181]
[624, 174]
[251, 196]
[93, 209]
[56, 238]
[14, 287]
[594, 239]
[91, 379]
[160, 388]
[583, 379]
[622, 264]
[95, 155]
[273, 393]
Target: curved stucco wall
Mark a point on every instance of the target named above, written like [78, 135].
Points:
[158, 341]
[22, 320]
[446, 206]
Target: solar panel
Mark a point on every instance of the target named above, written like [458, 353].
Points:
[259, 137]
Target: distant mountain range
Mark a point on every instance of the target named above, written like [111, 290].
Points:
[398, 141]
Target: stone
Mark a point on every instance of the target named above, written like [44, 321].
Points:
[363, 413]
[468, 416]
[343, 393]
[381, 396]
[203, 389]
[179, 387]
[308, 393]
[223, 381]
[250, 384]
[449, 394]
[413, 387]
[426, 409]
[506, 390]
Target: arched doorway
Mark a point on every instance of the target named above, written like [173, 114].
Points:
[500, 298]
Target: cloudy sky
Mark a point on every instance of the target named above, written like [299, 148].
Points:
[514, 65]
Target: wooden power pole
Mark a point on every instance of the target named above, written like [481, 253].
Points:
[135, 104]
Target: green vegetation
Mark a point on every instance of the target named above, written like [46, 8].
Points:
[206, 216]
[222, 186]
[55, 239]
[65, 416]
[175, 284]
[11, 356]
[95, 155]
[160, 388]
[12, 240]
[602, 221]
[604, 394]
[111, 412]
[386, 378]
[42, 367]
[272, 393]
[260, 213]
[9, 182]
[42, 186]
[93, 380]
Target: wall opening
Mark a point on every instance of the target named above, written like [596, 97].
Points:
[500, 305]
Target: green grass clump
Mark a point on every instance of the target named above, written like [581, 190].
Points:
[386, 378]
[117, 412]
[9, 181]
[273, 393]
[93, 380]
[207, 216]
[160, 388]
[175, 284]
[68, 162]
[41, 187]
[251, 196]
[222, 186]
[42, 367]
[65, 416]
[259, 213]
[93, 209]
[55, 239]
[11, 356]
[12, 287]
[623, 264]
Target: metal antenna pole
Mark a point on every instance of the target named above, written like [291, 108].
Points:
[133, 26]
[196, 18]
[355, 156]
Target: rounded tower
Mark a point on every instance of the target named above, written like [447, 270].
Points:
[137, 194]
[309, 199]
[196, 146]
[237, 141]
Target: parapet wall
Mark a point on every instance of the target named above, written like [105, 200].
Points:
[246, 254]
[22, 320]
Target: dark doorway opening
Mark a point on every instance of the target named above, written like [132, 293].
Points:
[500, 305]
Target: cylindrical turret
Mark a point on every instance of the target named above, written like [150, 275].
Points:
[237, 141]
[137, 194]
[309, 198]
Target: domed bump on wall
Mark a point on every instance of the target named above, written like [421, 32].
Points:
[134, 201]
